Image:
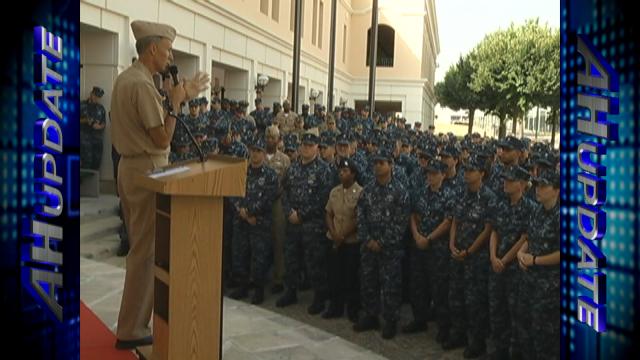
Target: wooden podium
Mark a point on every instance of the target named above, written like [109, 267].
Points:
[187, 316]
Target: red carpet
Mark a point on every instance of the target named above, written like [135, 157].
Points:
[96, 340]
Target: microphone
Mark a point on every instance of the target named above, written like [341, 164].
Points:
[173, 70]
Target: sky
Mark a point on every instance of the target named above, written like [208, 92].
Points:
[462, 24]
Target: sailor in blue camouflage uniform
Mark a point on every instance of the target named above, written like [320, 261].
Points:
[417, 180]
[180, 148]
[539, 260]
[204, 108]
[343, 152]
[450, 155]
[306, 191]
[406, 159]
[215, 114]
[429, 251]
[314, 120]
[383, 216]
[511, 150]
[260, 116]
[92, 124]
[192, 119]
[252, 244]
[469, 235]
[290, 142]
[511, 212]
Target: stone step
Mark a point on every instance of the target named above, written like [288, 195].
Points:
[96, 227]
[100, 249]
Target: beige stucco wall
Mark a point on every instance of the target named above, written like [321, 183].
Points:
[234, 41]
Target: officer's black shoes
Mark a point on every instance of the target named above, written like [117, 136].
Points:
[443, 336]
[415, 327]
[366, 323]
[239, 293]
[289, 298]
[333, 312]
[500, 354]
[454, 342]
[258, 296]
[352, 314]
[475, 350]
[389, 330]
[123, 249]
[277, 289]
[132, 344]
[305, 284]
[316, 307]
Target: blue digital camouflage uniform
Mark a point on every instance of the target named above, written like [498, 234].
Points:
[468, 302]
[509, 222]
[252, 243]
[306, 190]
[430, 267]
[243, 127]
[90, 138]
[312, 121]
[383, 215]
[539, 296]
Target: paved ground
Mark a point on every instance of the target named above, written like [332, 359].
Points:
[249, 332]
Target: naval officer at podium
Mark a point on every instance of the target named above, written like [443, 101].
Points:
[141, 132]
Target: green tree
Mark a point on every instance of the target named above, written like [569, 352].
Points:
[455, 91]
[514, 71]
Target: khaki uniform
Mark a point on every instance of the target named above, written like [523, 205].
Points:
[342, 203]
[280, 163]
[136, 107]
[286, 121]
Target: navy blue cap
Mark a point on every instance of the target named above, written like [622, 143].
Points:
[450, 150]
[194, 103]
[215, 100]
[258, 144]
[348, 163]
[327, 141]
[383, 154]
[548, 177]
[512, 142]
[343, 139]
[475, 163]
[97, 91]
[516, 173]
[437, 166]
[310, 138]
[243, 103]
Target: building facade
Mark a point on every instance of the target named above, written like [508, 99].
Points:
[237, 40]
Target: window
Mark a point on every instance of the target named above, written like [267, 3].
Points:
[321, 11]
[264, 7]
[344, 44]
[315, 22]
[385, 46]
[275, 10]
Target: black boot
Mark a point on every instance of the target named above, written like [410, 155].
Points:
[290, 297]
[258, 296]
[366, 323]
[352, 314]
[240, 293]
[318, 304]
[415, 327]
[389, 330]
[443, 336]
[454, 342]
[277, 289]
[123, 248]
[334, 311]
[474, 350]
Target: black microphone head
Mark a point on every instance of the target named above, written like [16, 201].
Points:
[173, 70]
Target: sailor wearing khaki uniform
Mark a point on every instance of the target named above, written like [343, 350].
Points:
[141, 132]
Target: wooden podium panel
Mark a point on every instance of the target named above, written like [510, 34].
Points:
[187, 319]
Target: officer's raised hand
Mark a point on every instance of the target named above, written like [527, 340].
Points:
[196, 85]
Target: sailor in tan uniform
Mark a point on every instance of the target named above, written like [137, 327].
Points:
[141, 131]
[280, 163]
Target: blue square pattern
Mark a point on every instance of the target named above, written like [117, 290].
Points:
[615, 345]
[620, 176]
[620, 300]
